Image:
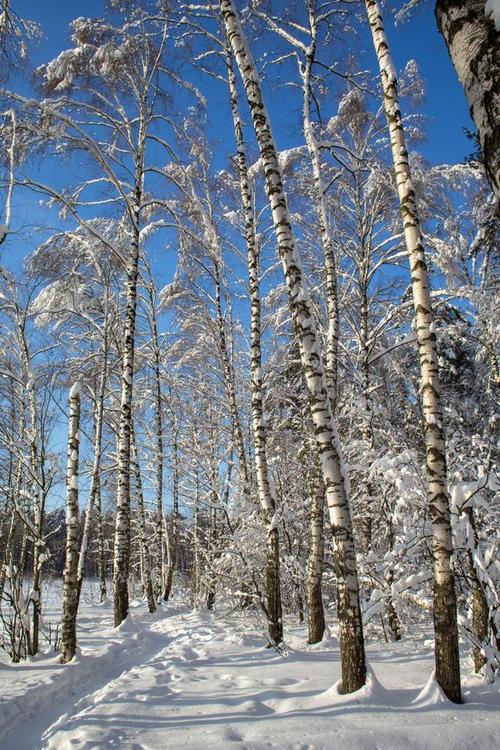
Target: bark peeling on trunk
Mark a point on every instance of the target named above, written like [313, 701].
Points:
[445, 605]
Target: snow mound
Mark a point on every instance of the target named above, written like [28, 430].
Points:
[431, 694]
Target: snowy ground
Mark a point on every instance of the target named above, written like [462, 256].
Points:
[182, 680]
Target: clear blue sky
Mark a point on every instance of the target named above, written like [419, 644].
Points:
[444, 106]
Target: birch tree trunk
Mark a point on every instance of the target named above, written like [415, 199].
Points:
[229, 382]
[474, 46]
[36, 484]
[96, 464]
[314, 597]
[159, 569]
[121, 556]
[196, 543]
[174, 540]
[144, 546]
[160, 560]
[70, 584]
[479, 609]
[101, 560]
[267, 500]
[366, 500]
[445, 606]
[332, 337]
[349, 611]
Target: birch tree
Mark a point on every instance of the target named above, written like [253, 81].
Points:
[445, 606]
[472, 35]
[267, 500]
[351, 629]
[70, 586]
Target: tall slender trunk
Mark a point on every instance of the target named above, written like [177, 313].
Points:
[8, 550]
[229, 382]
[121, 557]
[350, 623]
[445, 605]
[332, 337]
[37, 495]
[70, 585]
[101, 553]
[366, 500]
[314, 597]
[212, 534]
[143, 533]
[160, 556]
[479, 610]
[392, 615]
[474, 46]
[267, 500]
[196, 542]
[96, 464]
[174, 539]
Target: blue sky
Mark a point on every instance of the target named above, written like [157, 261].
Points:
[444, 106]
[418, 38]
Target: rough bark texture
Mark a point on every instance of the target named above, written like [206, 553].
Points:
[266, 498]
[350, 624]
[474, 47]
[315, 610]
[445, 607]
[70, 587]
[480, 612]
[121, 557]
[143, 534]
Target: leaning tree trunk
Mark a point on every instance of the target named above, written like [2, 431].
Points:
[445, 605]
[96, 465]
[349, 611]
[121, 556]
[474, 46]
[267, 500]
[70, 586]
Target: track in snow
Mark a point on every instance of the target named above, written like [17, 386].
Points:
[183, 680]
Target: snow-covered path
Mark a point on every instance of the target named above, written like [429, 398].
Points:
[182, 680]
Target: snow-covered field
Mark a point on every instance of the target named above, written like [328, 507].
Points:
[178, 679]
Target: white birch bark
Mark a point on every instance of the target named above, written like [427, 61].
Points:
[267, 501]
[314, 598]
[332, 337]
[143, 533]
[445, 612]
[173, 542]
[101, 560]
[474, 46]
[121, 556]
[350, 624]
[70, 584]
[96, 464]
